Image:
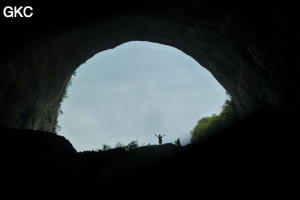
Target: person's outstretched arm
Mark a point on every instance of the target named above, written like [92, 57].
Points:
[164, 135]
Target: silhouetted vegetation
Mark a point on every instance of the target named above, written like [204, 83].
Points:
[214, 123]
[120, 145]
[57, 127]
[130, 146]
[105, 147]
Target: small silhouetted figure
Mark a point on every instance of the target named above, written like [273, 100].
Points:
[177, 142]
[160, 138]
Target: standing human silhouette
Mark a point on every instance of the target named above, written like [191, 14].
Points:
[177, 142]
[160, 138]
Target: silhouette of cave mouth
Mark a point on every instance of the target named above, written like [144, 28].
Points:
[245, 63]
[248, 47]
[160, 80]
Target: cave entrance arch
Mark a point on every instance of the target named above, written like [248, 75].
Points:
[44, 65]
[135, 91]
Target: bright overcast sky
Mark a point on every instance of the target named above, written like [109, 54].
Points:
[134, 91]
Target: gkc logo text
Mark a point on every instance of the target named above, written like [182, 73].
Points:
[17, 11]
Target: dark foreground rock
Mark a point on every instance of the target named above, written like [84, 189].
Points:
[251, 150]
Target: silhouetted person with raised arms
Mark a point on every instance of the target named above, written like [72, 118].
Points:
[160, 138]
